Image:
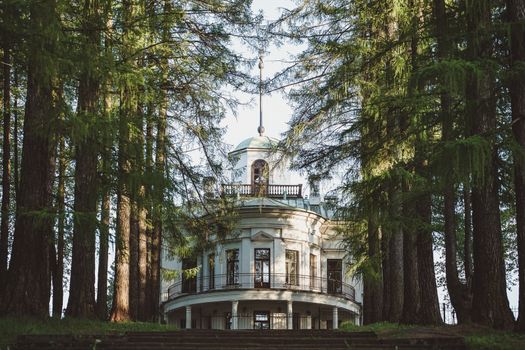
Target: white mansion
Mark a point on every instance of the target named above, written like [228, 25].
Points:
[283, 269]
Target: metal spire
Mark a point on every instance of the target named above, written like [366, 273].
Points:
[260, 129]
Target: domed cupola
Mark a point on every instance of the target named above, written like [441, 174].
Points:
[259, 168]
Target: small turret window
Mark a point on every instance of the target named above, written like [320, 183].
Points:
[260, 172]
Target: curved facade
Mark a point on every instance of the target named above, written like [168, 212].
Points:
[282, 268]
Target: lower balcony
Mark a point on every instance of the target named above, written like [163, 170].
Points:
[270, 281]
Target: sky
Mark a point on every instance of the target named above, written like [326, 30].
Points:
[276, 112]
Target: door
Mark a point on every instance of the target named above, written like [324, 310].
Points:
[261, 320]
[335, 276]
[262, 268]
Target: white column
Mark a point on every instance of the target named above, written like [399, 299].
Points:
[290, 314]
[188, 317]
[235, 318]
[335, 318]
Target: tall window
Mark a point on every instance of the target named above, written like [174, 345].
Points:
[189, 279]
[292, 267]
[211, 271]
[335, 276]
[232, 266]
[262, 268]
[313, 271]
[260, 172]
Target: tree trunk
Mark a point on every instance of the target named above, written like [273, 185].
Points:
[429, 310]
[460, 295]
[395, 260]
[58, 270]
[147, 314]
[385, 254]
[410, 272]
[490, 305]
[82, 287]
[121, 311]
[101, 308]
[6, 159]
[158, 187]
[142, 261]
[516, 16]
[158, 193]
[372, 284]
[134, 259]
[28, 282]
[128, 109]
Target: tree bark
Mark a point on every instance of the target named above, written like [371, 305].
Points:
[460, 295]
[28, 281]
[158, 187]
[142, 261]
[147, 314]
[101, 308]
[385, 253]
[516, 17]
[490, 305]
[134, 259]
[6, 157]
[121, 303]
[395, 261]
[128, 109]
[82, 287]
[410, 272]
[158, 194]
[429, 310]
[372, 285]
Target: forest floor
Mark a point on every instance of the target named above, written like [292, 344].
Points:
[476, 337]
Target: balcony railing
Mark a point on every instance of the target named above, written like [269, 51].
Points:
[271, 191]
[274, 281]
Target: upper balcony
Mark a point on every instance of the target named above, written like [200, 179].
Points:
[269, 281]
[258, 190]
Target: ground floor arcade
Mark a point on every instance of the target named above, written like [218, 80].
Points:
[260, 314]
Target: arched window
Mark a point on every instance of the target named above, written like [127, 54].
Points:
[260, 172]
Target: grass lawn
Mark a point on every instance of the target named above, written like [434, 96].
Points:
[10, 327]
[476, 337]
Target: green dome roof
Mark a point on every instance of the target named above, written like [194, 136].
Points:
[258, 142]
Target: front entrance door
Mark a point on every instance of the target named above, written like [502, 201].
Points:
[262, 268]
[261, 320]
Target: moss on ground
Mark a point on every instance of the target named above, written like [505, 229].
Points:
[11, 327]
[476, 337]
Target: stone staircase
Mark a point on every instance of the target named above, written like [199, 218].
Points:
[236, 340]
